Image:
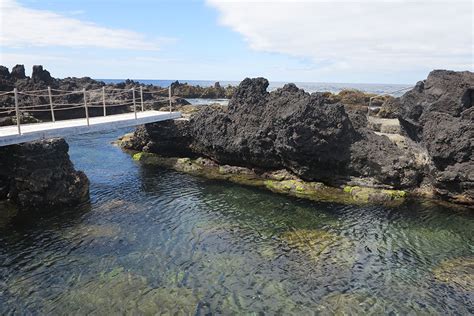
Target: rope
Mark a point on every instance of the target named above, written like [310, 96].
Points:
[109, 105]
[155, 92]
[39, 110]
[5, 93]
[75, 91]
[33, 106]
[64, 94]
[118, 89]
[33, 95]
[69, 108]
[37, 90]
[62, 104]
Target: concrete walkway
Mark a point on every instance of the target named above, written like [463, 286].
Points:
[30, 132]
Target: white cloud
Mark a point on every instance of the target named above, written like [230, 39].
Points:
[358, 35]
[25, 27]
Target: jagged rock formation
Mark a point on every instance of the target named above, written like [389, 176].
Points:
[214, 92]
[319, 139]
[439, 114]
[287, 128]
[40, 174]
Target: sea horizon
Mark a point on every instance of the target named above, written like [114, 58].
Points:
[377, 88]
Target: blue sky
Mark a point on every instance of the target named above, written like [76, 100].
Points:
[228, 40]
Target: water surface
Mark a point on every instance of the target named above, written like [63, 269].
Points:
[156, 240]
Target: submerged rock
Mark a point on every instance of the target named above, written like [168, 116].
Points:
[39, 174]
[353, 304]
[118, 291]
[457, 272]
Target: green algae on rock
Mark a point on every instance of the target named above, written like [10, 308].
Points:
[317, 245]
[105, 295]
[279, 181]
[313, 242]
[352, 304]
[366, 194]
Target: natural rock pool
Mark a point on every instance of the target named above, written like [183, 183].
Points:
[156, 240]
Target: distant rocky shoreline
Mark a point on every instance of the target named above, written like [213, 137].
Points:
[421, 143]
[157, 97]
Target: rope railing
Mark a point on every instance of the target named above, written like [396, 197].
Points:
[90, 99]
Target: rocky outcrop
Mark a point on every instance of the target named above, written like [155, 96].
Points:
[439, 114]
[307, 134]
[319, 139]
[40, 174]
[41, 75]
[18, 72]
[214, 92]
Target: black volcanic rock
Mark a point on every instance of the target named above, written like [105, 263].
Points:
[40, 74]
[18, 72]
[4, 73]
[307, 134]
[318, 139]
[39, 174]
[438, 113]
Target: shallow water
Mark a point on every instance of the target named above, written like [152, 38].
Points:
[156, 240]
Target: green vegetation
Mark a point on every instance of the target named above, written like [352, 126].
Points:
[279, 181]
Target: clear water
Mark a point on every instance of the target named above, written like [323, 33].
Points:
[153, 240]
[307, 86]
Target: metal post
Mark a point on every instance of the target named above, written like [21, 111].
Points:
[17, 110]
[169, 96]
[85, 106]
[103, 100]
[134, 104]
[141, 97]
[51, 104]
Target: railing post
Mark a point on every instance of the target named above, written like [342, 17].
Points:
[51, 104]
[85, 106]
[134, 103]
[17, 110]
[141, 97]
[169, 96]
[103, 101]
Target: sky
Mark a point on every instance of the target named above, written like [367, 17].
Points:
[363, 41]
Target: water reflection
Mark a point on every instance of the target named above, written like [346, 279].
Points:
[157, 240]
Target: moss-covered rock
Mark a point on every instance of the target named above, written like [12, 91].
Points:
[365, 194]
[352, 304]
[311, 242]
[279, 181]
[120, 292]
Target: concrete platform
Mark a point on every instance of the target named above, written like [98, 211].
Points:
[30, 132]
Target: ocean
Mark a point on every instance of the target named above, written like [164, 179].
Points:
[310, 87]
